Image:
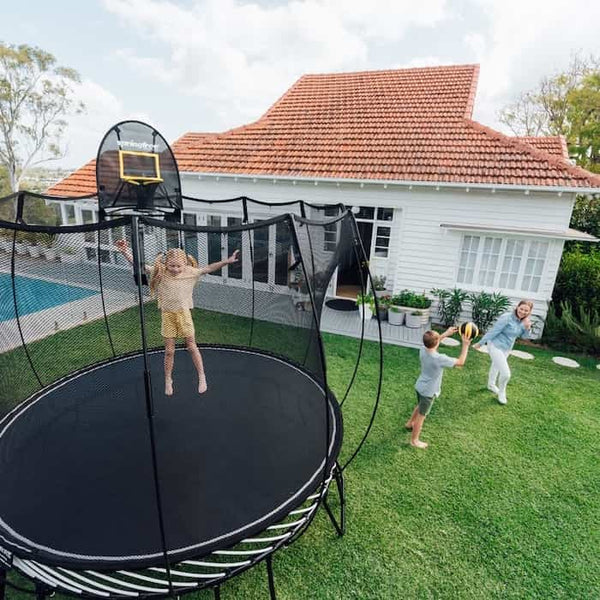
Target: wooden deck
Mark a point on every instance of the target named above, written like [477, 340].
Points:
[349, 323]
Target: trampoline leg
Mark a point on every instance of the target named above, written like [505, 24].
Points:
[41, 591]
[270, 576]
[217, 591]
[340, 526]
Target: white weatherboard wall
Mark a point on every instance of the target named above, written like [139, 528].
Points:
[423, 255]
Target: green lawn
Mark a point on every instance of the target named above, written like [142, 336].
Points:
[505, 503]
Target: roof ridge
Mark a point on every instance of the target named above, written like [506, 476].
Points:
[401, 69]
[555, 161]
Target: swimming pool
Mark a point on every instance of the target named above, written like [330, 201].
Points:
[34, 295]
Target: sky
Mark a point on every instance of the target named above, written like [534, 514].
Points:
[210, 65]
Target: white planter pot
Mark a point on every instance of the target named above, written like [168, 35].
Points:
[425, 313]
[34, 251]
[396, 318]
[69, 258]
[50, 253]
[381, 293]
[413, 321]
[365, 312]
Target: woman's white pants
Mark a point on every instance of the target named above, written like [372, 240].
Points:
[499, 370]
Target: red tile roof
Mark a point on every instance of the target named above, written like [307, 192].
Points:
[555, 145]
[403, 125]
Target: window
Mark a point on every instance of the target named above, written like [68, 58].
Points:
[70, 214]
[214, 242]
[382, 241]
[489, 261]
[511, 264]
[534, 266]
[330, 231]
[468, 258]
[234, 242]
[493, 262]
[385, 214]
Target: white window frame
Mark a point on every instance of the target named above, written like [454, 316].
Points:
[528, 245]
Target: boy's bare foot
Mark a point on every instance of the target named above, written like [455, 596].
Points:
[408, 425]
[418, 444]
[168, 387]
[202, 387]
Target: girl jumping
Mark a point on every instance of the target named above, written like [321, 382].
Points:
[172, 280]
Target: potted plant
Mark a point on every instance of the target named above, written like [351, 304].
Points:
[366, 305]
[383, 304]
[68, 254]
[34, 249]
[379, 286]
[395, 315]
[408, 301]
[414, 319]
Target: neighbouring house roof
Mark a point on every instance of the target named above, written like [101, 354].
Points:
[395, 125]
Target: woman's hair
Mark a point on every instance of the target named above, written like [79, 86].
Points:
[160, 265]
[526, 303]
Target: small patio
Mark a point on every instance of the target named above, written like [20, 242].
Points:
[349, 323]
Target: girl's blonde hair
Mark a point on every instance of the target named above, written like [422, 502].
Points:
[160, 265]
[526, 303]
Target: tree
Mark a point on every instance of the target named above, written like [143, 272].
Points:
[566, 104]
[36, 95]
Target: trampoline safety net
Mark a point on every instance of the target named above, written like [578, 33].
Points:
[101, 467]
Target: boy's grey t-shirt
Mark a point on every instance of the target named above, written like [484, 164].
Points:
[433, 364]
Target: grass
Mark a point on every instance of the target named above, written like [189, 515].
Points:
[505, 503]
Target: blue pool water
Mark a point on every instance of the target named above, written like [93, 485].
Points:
[34, 295]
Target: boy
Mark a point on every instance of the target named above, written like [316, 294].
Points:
[429, 383]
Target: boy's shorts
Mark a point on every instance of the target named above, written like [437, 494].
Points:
[425, 403]
[177, 324]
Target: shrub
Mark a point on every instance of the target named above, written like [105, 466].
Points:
[449, 304]
[580, 333]
[486, 308]
[578, 281]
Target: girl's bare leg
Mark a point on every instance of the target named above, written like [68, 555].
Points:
[190, 343]
[169, 360]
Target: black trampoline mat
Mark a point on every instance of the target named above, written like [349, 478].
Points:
[76, 463]
[343, 304]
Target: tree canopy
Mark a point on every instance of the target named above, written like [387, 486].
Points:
[567, 104]
[36, 94]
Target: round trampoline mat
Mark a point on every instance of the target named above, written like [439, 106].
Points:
[76, 461]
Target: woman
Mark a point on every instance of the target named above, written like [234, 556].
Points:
[500, 339]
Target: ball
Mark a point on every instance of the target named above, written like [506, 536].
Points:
[470, 330]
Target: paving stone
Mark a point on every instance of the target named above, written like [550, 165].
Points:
[450, 342]
[565, 362]
[521, 354]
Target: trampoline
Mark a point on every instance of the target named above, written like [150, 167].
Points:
[112, 489]
[231, 462]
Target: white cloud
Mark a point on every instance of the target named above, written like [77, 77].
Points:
[103, 110]
[234, 55]
[526, 41]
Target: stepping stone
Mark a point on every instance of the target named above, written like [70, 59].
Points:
[565, 362]
[483, 349]
[521, 354]
[450, 342]
[598, 367]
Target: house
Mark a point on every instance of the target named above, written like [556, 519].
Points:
[440, 200]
